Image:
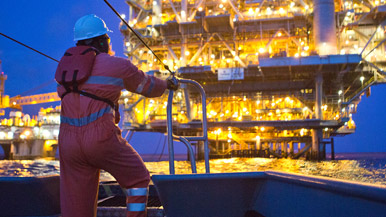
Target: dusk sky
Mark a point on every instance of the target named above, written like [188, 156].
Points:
[47, 25]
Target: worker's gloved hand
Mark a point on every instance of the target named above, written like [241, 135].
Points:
[172, 83]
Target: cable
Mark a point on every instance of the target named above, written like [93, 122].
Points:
[45, 84]
[139, 37]
[29, 47]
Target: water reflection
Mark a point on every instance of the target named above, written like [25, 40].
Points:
[354, 170]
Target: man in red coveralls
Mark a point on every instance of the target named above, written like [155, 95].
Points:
[89, 140]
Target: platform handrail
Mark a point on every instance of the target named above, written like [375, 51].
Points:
[190, 151]
[186, 140]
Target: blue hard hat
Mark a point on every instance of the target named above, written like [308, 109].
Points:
[89, 26]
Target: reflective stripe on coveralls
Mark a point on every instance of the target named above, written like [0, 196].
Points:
[85, 120]
[141, 85]
[105, 80]
[136, 207]
[137, 194]
[151, 86]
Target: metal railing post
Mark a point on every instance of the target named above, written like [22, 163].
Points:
[186, 140]
[170, 131]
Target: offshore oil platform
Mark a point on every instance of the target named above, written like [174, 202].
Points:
[282, 78]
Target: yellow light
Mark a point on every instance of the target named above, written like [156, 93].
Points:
[212, 56]
[287, 99]
[230, 135]
[227, 111]
[269, 11]
[27, 133]
[281, 11]
[164, 61]
[244, 109]
[127, 44]
[262, 129]
[347, 41]
[223, 1]
[200, 9]
[306, 48]
[258, 102]
[279, 34]
[219, 131]
[123, 16]
[261, 50]
[187, 53]
[221, 6]
[250, 11]
[270, 114]
[296, 55]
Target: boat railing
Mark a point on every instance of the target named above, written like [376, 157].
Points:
[186, 140]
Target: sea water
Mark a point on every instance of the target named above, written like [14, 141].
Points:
[360, 167]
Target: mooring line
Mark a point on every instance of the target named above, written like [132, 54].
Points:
[10, 38]
[139, 37]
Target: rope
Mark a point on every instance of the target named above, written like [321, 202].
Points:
[139, 37]
[28, 47]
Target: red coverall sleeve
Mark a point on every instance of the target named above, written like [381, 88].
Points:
[139, 82]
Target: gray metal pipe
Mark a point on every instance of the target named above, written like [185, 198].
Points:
[195, 138]
[170, 135]
[170, 131]
[204, 120]
[318, 95]
[190, 151]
